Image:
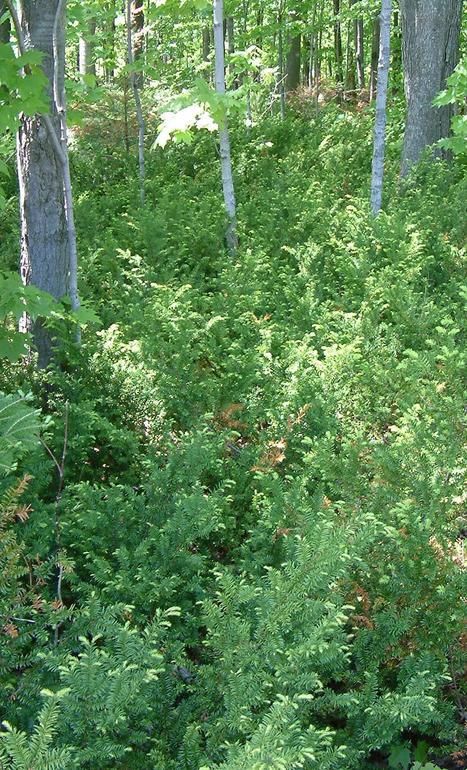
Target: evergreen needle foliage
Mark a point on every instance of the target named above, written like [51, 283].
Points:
[231, 520]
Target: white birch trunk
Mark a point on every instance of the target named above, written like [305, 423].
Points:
[137, 98]
[224, 139]
[377, 171]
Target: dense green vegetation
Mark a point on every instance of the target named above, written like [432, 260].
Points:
[243, 543]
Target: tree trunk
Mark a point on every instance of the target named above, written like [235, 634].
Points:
[377, 172]
[396, 50]
[350, 82]
[230, 29]
[358, 33]
[87, 65]
[134, 81]
[206, 43]
[338, 43]
[430, 47]
[48, 240]
[280, 55]
[307, 60]
[110, 43]
[224, 138]
[137, 30]
[5, 27]
[374, 58]
[293, 64]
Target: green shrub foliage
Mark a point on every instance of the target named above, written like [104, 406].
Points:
[251, 557]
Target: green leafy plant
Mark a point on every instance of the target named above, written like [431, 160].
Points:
[456, 93]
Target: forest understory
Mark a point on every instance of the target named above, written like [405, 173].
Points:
[248, 551]
[232, 512]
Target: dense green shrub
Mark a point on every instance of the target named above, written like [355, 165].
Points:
[252, 557]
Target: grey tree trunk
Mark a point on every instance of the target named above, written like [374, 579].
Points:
[48, 257]
[5, 27]
[293, 63]
[224, 138]
[377, 171]
[87, 65]
[358, 32]
[430, 47]
[138, 106]
[338, 43]
[280, 54]
[374, 58]
[137, 28]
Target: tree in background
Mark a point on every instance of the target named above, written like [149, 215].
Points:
[430, 34]
[377, 170]
[224, 138]
[134, 15]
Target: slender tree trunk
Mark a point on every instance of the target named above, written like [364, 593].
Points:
[249, 115]
[396, 50]
[48, 254]
[307, 60]
[110, 43]
[280, 54]
[206, 44]
[430, 48]
[374, 58]
[358, 32]
[137, 30]
[350, 83]
[87, 65]
[230, 29]
[137, 98]
[338, 44]
[377, 172]
[293, 64]
[5, 27]
[224, 138]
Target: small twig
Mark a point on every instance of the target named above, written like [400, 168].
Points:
[18, 620]
[51, 454]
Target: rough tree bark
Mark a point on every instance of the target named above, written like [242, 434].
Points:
[430, 47]
[48, 256]
[224, 138]
[377, 171]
